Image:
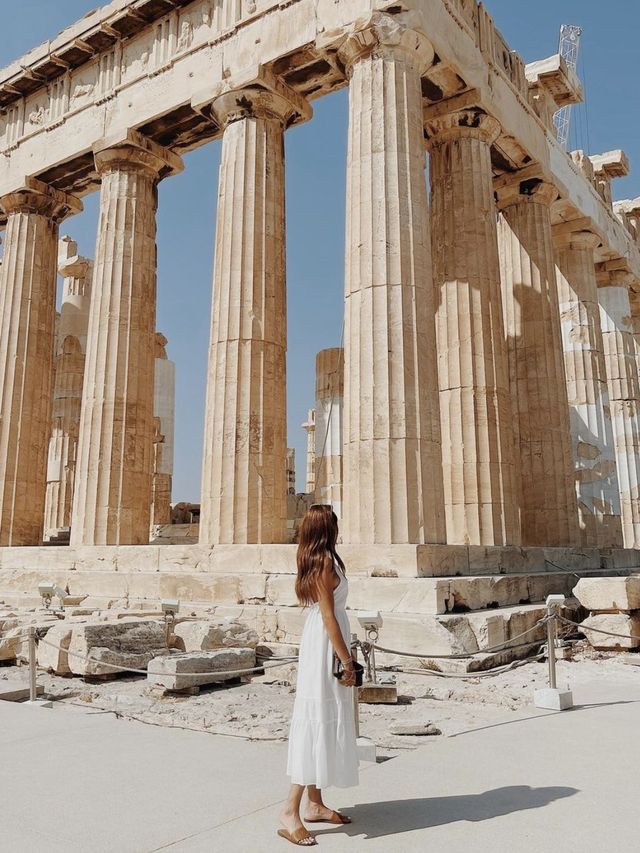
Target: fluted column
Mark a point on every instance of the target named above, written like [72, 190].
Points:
[589, 409]
[244, 485]
[392, 456]
[27, 322]
[623, 381]
[71, 343]
[112, 495]
[548, 512]
[477, 430]
[328, 427]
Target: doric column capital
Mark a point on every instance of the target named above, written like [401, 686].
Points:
[252, 102]
[134, 152]
[565, 238]
[470, 123]
[383, 35]
[511, 190]
[37, 197]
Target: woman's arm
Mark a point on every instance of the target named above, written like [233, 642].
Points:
[325, 602]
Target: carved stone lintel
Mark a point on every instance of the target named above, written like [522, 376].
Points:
[134, 152]
[383, 35]
[472, 123]
[37, 197]
[530, 190]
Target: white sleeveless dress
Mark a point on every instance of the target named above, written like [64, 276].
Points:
[322, 738]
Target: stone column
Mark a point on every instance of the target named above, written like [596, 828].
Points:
[164, 382]
[481, 493]
[27, 322]
[548, 512]
[244, 468]
[112, 497]
[71, 344]
[328, 448]
[623, 381]
[392, 455]
[310, 428]
[589, 409]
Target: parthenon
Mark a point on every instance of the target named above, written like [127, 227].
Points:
[490, 417]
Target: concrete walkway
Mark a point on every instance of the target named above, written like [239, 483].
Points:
[74, 781]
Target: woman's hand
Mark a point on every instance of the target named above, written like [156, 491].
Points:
[348, 676]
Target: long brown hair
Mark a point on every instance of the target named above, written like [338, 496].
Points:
[317, 541]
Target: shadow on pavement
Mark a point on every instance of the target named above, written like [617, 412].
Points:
[391, 817]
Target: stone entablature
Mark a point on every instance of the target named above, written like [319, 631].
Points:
[139, 64]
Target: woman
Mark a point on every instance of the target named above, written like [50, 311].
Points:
[322, 739]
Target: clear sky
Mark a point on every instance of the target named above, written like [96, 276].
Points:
[316, 156]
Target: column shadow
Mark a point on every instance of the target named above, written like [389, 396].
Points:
[392, 817]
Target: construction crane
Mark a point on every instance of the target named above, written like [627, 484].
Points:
[568, 50]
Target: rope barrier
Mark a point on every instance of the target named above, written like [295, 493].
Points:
[487, 673]
[121, 668]
[490, 650]
[586, 629]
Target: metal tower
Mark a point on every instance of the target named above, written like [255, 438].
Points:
[568, 50]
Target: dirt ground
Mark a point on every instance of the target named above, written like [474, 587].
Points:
[260, 709]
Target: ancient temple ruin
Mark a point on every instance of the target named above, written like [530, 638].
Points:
[490, 419]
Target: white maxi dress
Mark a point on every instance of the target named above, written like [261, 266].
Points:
[322, 738]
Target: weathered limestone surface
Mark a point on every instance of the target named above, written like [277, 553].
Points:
[590, 412]
[328, 428]
[609, 594]
[203, 636]
[243, 478]
[27, 321]
[618, 623]
[392, 469]
[112, 497]
[623, 380]
[477, 435]
[71, 344]
[56, 660]
[548, 512]
[193, 669]
[126, 642]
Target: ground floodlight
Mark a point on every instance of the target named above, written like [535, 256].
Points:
[47, 591]
[370, 620]
[170, 606]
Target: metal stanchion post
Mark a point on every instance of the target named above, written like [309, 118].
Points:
[33, 686]
[551, 645]
[366, 747]
[356, 703]
[551, 698]
[33, 695]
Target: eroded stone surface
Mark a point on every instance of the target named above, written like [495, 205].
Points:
[601, 594]
[193, 669]
[203, 636]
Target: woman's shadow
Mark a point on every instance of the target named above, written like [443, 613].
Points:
[391, 817]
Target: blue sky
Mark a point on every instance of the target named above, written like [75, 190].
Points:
[316, 156]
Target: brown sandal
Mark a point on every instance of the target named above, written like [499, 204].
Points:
[297, 837]
[336, 817]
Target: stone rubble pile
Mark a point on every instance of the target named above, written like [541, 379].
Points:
[90, 643]
[614, 605]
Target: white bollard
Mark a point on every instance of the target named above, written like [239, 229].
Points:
[551, 698]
